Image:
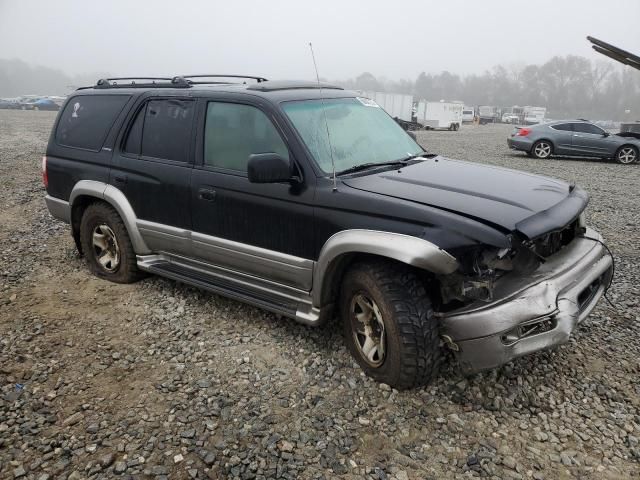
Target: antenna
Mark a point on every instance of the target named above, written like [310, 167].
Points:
[326, 124]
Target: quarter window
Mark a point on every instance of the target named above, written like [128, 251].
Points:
[162, 129]
[563, 126]
[234, 131]
[87, 119]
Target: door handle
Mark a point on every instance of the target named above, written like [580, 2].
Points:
[120, 178]
[207, 194]
[576, 135]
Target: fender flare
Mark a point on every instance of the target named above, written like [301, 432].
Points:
[413, 251]
[117, 200]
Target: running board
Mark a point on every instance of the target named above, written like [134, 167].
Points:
[280, 299]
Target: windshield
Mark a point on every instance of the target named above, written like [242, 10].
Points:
[360, 131]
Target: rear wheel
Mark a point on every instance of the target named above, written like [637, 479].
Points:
[626, 154]
[106, 245]
[389, 324]
[542, 149]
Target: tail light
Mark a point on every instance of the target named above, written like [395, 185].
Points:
[523, 132]
[45, 176]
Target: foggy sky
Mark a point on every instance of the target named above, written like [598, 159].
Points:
[394, 39]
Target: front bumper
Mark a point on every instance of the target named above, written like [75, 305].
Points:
[532, 313]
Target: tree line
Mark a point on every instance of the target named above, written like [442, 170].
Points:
[569, 87]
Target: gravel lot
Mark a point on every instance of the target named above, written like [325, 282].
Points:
[161, 380]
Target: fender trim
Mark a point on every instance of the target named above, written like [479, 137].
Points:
[404, 248]
[117, 200]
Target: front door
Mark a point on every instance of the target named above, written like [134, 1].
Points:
[152, 167]
[590, 139]
[256, 229]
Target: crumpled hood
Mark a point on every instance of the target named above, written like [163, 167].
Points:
[513, 200]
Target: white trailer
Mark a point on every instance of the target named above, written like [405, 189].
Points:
[534, 115]
[434, 115]
[397, 105]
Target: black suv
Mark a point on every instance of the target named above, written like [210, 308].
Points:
[309, 200]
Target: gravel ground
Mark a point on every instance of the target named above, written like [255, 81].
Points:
[159, 380]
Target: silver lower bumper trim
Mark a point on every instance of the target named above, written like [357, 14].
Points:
[59, 209]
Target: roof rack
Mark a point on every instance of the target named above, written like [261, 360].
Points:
[179, 81]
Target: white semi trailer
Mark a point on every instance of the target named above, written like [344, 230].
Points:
[398, 105]
[439, 115]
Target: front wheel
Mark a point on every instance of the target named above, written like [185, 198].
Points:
[542, 149]
[626, 155]
[389, 324]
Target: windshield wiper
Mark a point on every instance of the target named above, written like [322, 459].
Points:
[365, 166]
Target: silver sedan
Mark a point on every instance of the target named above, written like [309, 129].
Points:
[574, 138]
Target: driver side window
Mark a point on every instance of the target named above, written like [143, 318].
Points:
[235, 131]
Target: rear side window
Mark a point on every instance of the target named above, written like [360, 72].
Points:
[587, 128]
[563, 126]
[86, 120]
[162, 129]
[234, 131]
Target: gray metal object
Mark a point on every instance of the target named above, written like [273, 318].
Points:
[556, 298]
[572, 138]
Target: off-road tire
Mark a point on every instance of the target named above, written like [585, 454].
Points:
[538, 147]
[102, 214]
[624, 151]
[412, 352]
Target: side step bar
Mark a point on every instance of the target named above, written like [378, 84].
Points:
[275, 298]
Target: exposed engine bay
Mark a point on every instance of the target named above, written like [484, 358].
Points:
[482, 267]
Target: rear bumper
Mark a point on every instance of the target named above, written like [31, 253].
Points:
[59, 209]
[520, 143]
[535, 313]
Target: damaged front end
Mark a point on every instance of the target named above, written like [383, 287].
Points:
[481, 267]
[504, 303]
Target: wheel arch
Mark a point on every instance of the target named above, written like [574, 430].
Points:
[86, 192]
[543, 139]
[347, 246]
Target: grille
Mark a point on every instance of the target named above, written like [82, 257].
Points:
[553, 242]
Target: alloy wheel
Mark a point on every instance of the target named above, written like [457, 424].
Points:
[542, 150]
[105, 247]
[368, 330]
[627, 155]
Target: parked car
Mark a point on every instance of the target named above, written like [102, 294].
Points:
[574, 138]
[45, 104]
[241, 190]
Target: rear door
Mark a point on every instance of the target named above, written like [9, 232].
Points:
[562, 138]
[152, 167]
[589, 139]
[264, 230]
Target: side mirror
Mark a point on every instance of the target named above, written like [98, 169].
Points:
[412, 135]
[268, 168]
[606, 134]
